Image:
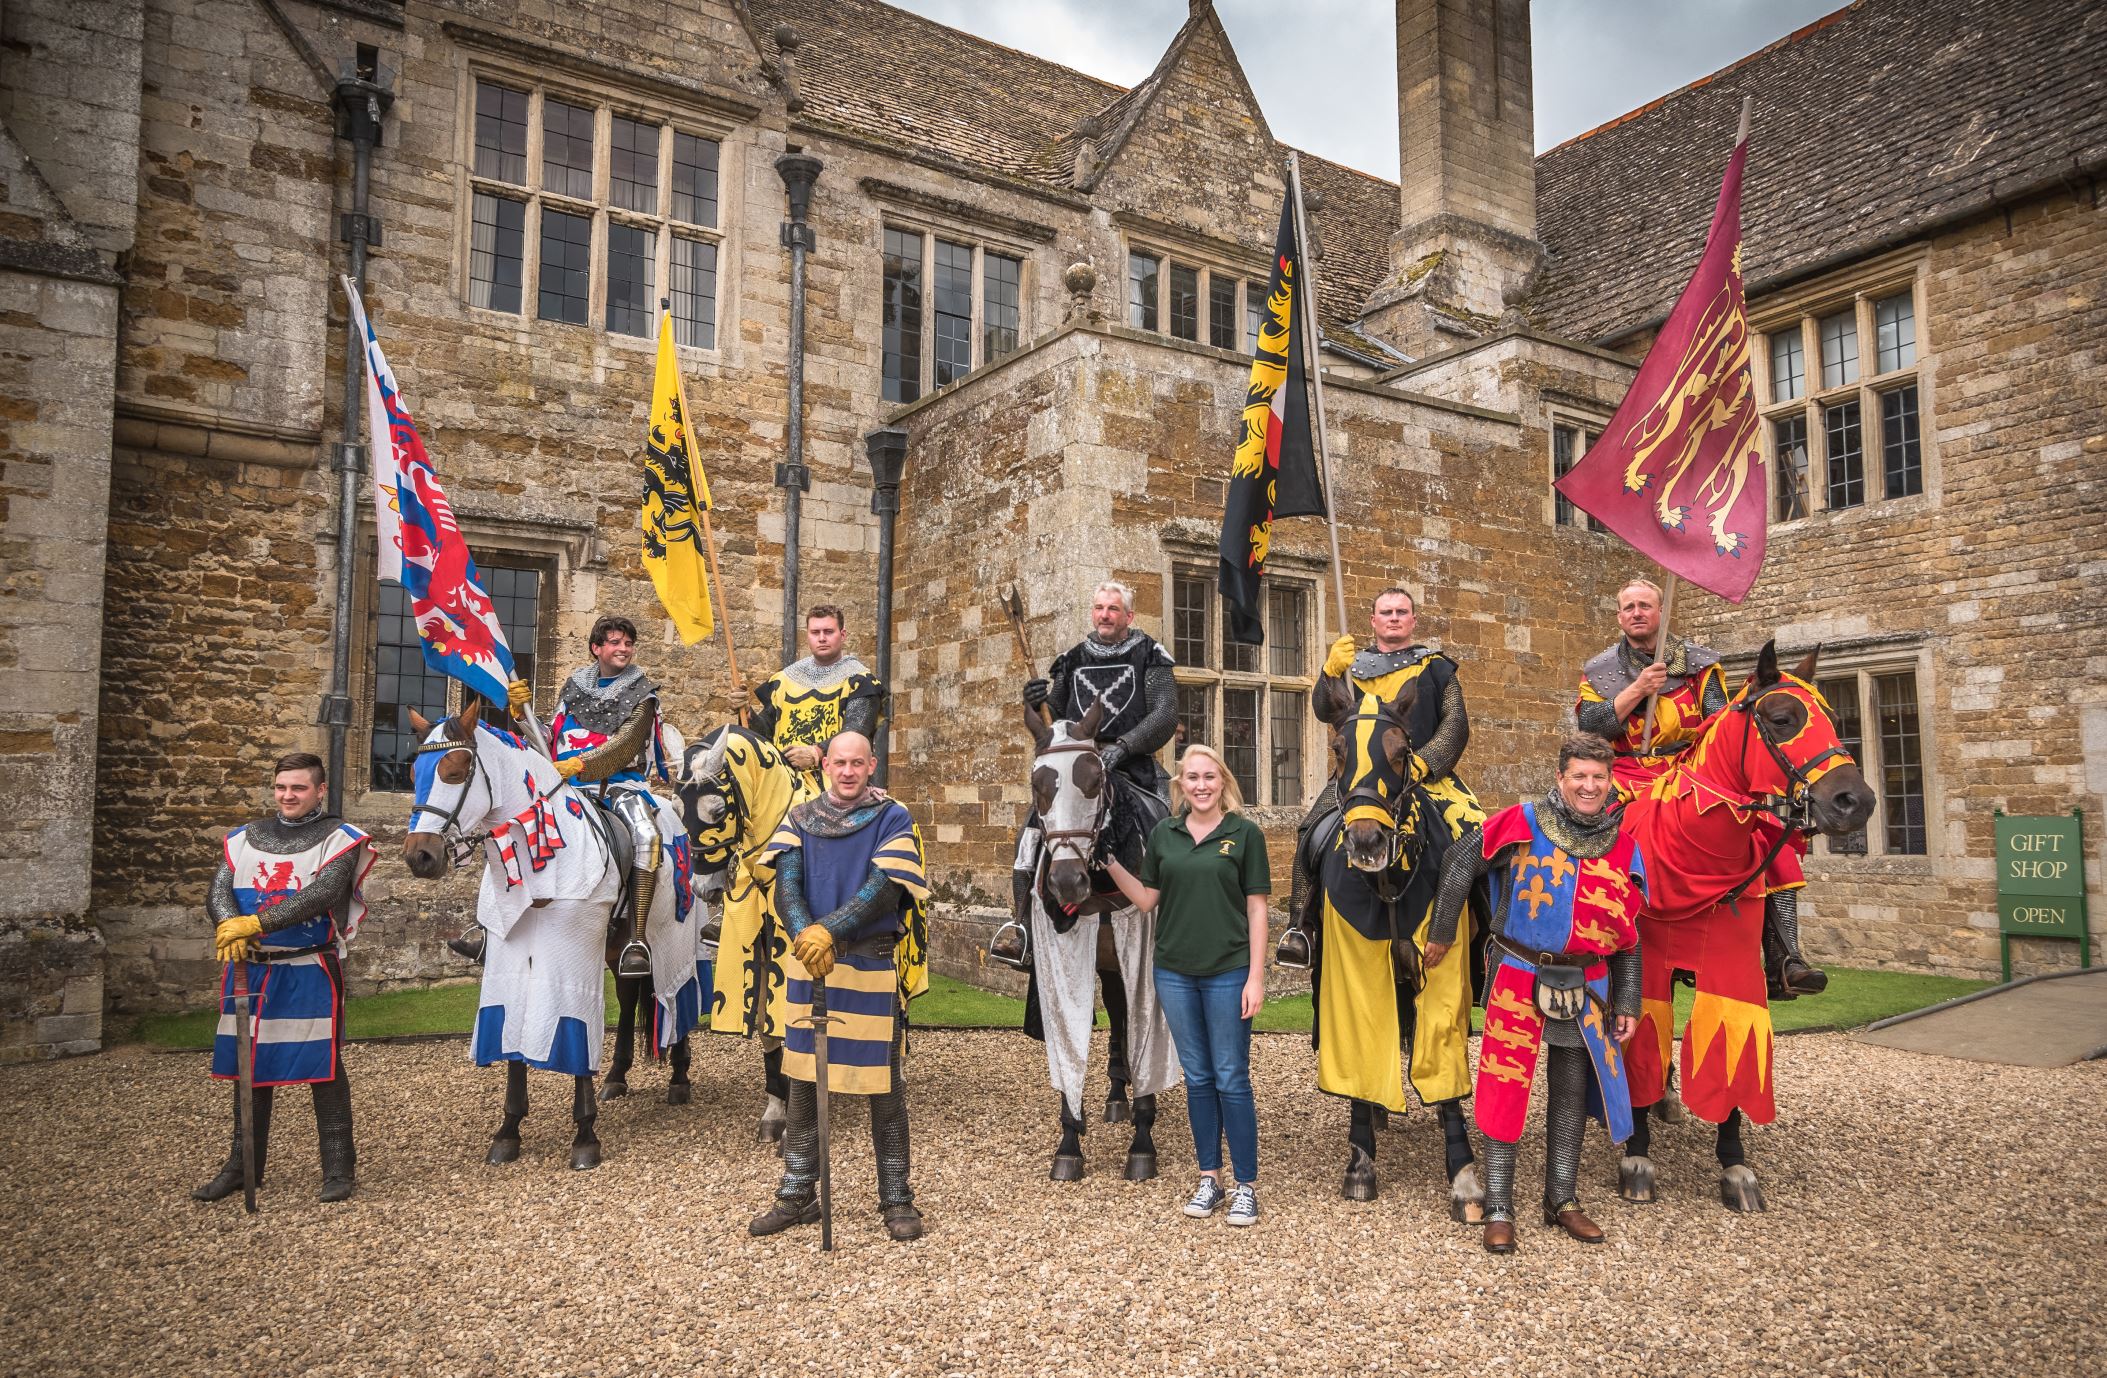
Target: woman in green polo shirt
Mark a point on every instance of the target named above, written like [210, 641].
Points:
[1205, 875]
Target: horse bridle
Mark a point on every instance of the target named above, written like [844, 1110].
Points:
[1081, 841]
[460, 846]
[1367, 796]
[1796, 807]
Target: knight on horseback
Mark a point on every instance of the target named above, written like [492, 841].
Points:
[285, 901]
[1440, 730]
[607, 735]
[1691, 686]
[804, 704]
[1565, 940]
[1125, 669]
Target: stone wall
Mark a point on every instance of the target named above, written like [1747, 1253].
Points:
[1990, 585]
[1102, 454]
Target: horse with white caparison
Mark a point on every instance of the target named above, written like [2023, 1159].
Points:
[554, 866]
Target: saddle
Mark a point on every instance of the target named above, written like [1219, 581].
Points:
[621, 848]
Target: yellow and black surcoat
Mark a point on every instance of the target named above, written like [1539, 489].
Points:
[1438, 724]
[806, 704]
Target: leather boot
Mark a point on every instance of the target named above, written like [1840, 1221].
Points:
[903, 1223]
[228, 1182]
[1499, 1236]
[333, 1128]
[1574, 1222]
[471, 943]
[785, 1213]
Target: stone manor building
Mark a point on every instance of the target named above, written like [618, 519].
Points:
[1038, 289]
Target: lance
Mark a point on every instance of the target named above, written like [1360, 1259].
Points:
[818, 1021]
[244, 1081]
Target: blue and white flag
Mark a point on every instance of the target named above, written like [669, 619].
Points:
[421, 544]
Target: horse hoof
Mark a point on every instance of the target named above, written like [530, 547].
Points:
[1466, 1197]
[1738, 1189]
[1669, 1109]
[585, 1156]
[1360, 1177]
[1381, 1117]
[1067, 1167]
[1117, 1111]
[1141, 1167]
[1635, 1180]
[502, 1151]
[679, 1093]
[613, 1090]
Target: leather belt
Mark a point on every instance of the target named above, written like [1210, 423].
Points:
[1536, 957]
[287, 954]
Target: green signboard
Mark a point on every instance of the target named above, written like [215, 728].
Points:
[2041, 881]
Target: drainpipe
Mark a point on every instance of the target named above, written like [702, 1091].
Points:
[887, 449]
[360, 103]
[798, 171]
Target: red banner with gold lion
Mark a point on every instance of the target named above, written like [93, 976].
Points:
[1679, 470]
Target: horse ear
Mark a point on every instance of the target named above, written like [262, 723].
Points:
[1767, 664]
[421, 723]
[471, 714]
[1334, 698]
[1085, 728]
[1041, 730]
[1805, 669]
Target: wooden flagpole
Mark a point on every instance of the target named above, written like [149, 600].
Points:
[1306, 295]
[1660, 636]
[709, 532]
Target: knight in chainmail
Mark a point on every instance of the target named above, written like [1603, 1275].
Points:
[1133, 676]
[607, 739]
[848, 872]
[1686, 685]
[801, 706]
[286, 900]
[1564, 952]
[1439, 726]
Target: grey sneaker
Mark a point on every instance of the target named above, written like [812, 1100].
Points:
[1243, 1204]
[1208, 1196]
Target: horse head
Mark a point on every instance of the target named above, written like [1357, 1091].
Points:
[710, 802]
[1372, 764]
[454, 791]
[1803, 761]
[1073, 793]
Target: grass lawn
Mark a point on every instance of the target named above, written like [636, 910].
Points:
[1854, 998]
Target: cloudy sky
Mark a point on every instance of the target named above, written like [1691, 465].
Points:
[1330, 84]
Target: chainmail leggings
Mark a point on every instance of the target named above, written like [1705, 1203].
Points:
[888, 1138]
[1565, 1121]
[1783, 910]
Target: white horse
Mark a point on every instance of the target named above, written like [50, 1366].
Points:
[550, 882]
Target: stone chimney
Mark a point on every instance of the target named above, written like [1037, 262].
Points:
[1466, 245]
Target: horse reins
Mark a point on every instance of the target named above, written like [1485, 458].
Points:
[1794, 810]
[1081, 841]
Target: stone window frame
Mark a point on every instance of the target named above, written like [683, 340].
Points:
[1210, 266]
[1802, 312]
[1863, 663]
[607, 101]
[1183, 560]
[983, 242]
[564, 554]
[1582, 423]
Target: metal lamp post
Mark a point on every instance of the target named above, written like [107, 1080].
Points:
[886, 448]
[798, 171]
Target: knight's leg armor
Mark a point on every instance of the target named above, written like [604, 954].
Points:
[636, 808]
[1565, 1121]
[229, 1179]
[889, 1139]
[800, 1145]
[333, 1128]
[1499, 1180]
[1293, 949]
[1790, 974]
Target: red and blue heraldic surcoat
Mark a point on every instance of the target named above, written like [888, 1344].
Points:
[297, 1002]
[1553, 902]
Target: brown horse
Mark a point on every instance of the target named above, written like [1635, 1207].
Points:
[1766, 766]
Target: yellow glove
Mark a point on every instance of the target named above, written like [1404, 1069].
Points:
[1340, 658]
[519, 694]
[234, 939]
[814, 947]
[569, 767]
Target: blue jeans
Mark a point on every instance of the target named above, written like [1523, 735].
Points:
[1214, 1046]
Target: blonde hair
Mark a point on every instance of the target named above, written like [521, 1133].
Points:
[1232, 797]
[1640, 584]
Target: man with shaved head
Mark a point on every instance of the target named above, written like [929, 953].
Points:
[849, 887]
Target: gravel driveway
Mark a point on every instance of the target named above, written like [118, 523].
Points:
[1926, 1216]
